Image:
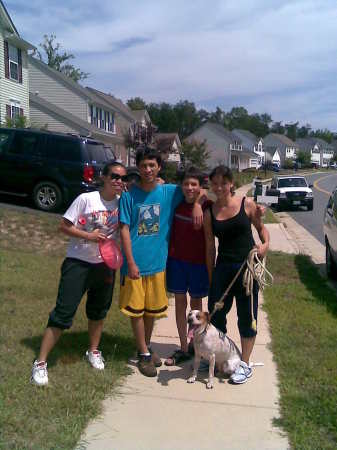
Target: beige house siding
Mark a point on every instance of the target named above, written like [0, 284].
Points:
[56, 92]
[12, 91]
[41, 119]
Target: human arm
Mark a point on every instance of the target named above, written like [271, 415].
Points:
[256, 218]
[133, 270]
[68, 228]
[210, 244]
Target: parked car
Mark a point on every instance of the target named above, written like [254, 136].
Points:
[293, 191]
[52, 168]
[330, 235]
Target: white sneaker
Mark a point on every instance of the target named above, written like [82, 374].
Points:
[242, 373]
[39, 373]
[96, 359]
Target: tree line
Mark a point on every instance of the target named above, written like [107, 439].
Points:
[184, 118]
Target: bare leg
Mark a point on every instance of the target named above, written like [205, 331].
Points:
[138, 329]
[148, 327]
[181, 305]
[196, 303]
[247, 345]
[50, 338]
[95, 328]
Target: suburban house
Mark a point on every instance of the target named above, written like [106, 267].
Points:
[286, 148]
[59, 104]
[320, 151]
[272, 155]
[253, 144]
[223, 146]
[169, 145]
[14, 80]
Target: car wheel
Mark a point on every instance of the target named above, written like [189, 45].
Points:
[311, 206]
[47, 196]
[331, 267]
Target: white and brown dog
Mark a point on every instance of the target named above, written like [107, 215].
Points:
[212, 345]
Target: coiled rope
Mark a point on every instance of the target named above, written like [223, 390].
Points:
[255, 270]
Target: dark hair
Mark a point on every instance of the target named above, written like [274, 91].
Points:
[106, 168]
[193, 172]
[147, 153]
[225, 172]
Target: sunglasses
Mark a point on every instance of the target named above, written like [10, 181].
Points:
[116, 176]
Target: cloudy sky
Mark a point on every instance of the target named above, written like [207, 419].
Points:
[275, 56]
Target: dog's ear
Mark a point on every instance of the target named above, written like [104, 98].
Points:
[206, 316]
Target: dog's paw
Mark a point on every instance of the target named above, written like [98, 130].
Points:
[191, 380]
[209, 385]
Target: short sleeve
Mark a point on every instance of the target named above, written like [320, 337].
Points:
[176, 194]
[75, 210]
[125, 208]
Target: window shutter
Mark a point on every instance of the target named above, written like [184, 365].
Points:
[6, 60]
[8, 111]
[21, 111]
[20, 65]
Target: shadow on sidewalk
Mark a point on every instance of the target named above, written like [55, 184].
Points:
[72, 347]
[315, 283]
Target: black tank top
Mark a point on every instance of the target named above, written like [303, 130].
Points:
[235, 236]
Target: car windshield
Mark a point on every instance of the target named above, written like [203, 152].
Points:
[96, 153]
[292, 182]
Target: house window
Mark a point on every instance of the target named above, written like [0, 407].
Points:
[15, 111]
[13, 55]
[93, 114]
[111, 123]
[102, 119]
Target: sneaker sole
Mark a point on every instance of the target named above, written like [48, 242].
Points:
[38, 384]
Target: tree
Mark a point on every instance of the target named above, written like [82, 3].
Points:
[304, 158]
[303, 131]
[195, 153]
[325, 134]
[291, 130]
[57, 60]
[277, 127]
[136, 103]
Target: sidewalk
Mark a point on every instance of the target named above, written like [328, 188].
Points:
[166, 413]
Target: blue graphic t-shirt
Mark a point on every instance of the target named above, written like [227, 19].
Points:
[149, 216]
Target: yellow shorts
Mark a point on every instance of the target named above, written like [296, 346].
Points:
[146, 295]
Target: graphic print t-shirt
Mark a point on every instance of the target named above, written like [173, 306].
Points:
[149, 216]
[88, 212]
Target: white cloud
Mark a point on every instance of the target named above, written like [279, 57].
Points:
[278, 56]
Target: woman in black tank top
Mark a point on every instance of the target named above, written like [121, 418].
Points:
[230, 219]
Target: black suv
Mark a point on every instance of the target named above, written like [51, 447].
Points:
[52, 168]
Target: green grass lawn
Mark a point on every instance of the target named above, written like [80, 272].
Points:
[51, 417]
[302, 313]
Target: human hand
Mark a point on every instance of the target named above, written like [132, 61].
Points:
[133, 271]
[96, 236]
[262, 250]
[260, 211]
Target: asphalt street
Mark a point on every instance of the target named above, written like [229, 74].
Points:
[324, 183]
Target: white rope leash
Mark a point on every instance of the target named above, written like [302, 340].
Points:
[255, 270]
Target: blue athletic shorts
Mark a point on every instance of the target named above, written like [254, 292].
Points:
[183, 277]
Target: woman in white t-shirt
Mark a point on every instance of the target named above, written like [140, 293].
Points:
[91, 217]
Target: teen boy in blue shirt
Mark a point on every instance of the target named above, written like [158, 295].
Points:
[146, 214]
